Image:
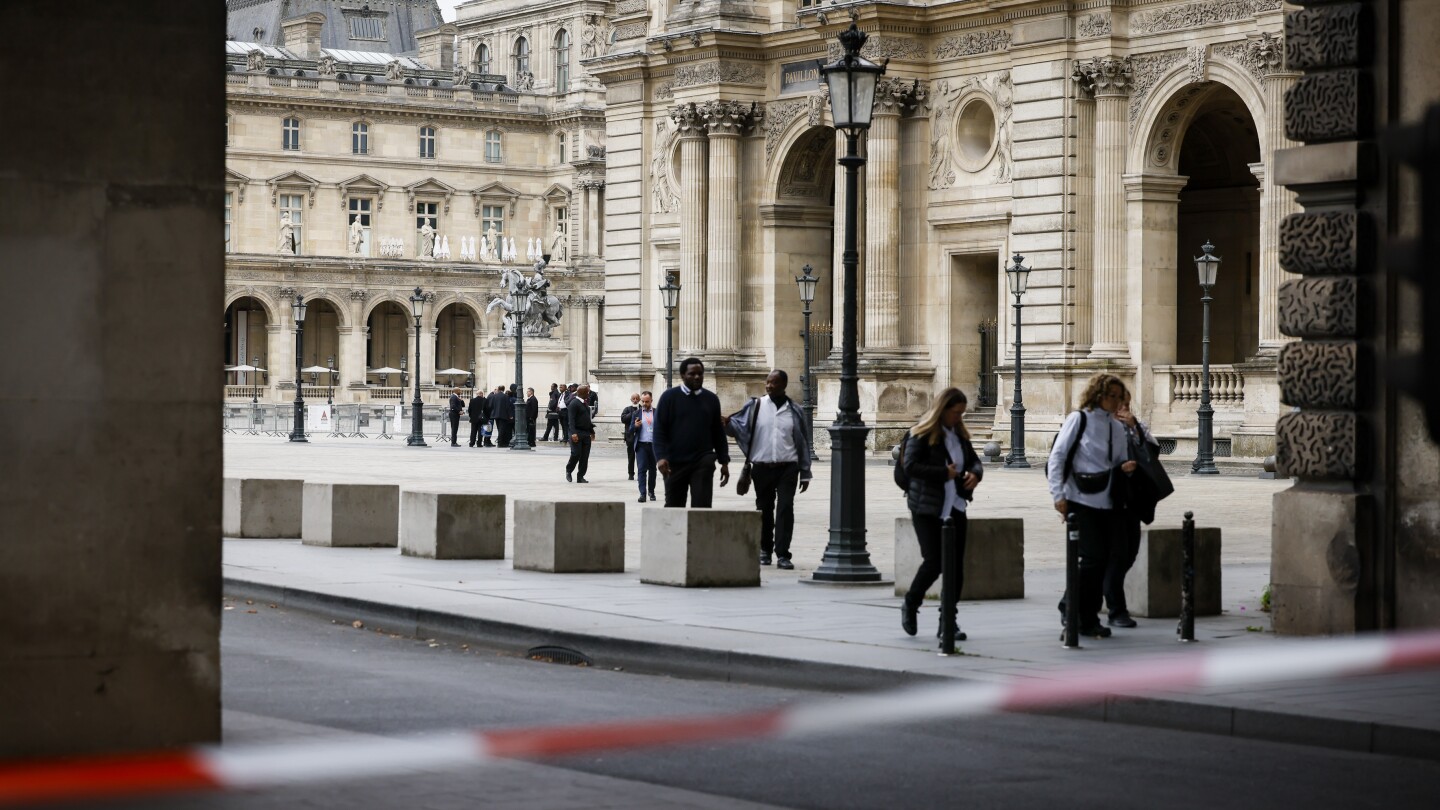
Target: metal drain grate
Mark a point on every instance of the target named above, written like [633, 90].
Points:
[559, 655]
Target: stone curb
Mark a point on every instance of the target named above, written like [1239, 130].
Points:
[706, 664]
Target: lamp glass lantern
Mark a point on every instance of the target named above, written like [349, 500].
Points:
[417, 303]
[300, 307]
[852, 79]
[808, 282]
[1208, 266]
[670, 293]
[1018, 274]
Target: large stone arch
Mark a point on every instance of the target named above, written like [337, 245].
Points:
[444, 300]
[1169, 107]
[391, 296]
[260, 294]
[341, 306]
[782, 150]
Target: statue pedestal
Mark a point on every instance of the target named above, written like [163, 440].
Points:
[547, 360]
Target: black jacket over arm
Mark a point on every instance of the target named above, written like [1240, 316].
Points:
[532, 409]
[478, 409]
[500, 408]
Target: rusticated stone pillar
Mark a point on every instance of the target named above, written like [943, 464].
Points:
[694, 183]
[726, 122]
[1110, 78]
[882, 217]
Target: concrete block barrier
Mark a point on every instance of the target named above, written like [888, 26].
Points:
[570, 537]
[452, 525]
[350, 515]
[994, 559]
[262, 507]
[700, 548]
[1152, 588]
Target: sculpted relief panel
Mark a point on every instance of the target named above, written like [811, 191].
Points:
[945, 111]
[972, 44]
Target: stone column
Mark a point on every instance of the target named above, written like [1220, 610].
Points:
[882, 219]
[1153, 215]
[282, 351]
[694, 182]
[592, 332]
[1276, 201]
[726, 121]
[1110, 78]
[592, 218]
[579, 329]
[352, 361]
[275, 363]
[1083, 330]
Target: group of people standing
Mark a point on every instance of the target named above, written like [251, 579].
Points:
[492, 416]
[1103, 469]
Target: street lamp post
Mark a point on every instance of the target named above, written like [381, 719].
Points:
[1208, 267]
[255, 388]
[297, 430]
[330, 391]
[520, 300]
[670, 296]
[807, 283]
[1019, 276]
[851, 80]
[417, 429]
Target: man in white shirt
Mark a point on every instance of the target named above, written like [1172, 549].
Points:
[771, 432]
[642, 427]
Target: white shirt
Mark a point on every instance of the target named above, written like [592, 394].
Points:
[772, 440]
[953, 501]
[1103, 447]
[647, 424]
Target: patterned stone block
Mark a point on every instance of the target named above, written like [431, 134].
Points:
[1317, 445]
[1324, 107]
[1320, 243]
[1323, 37]
[1319, 307]
[1316, 374]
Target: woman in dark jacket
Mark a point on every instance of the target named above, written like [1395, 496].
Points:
[943, 470]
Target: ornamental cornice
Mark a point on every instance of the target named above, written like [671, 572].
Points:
[879, 47]
[718, 73]
[972, 44]
[333, 110]
[1197, 15]
[1093, 25]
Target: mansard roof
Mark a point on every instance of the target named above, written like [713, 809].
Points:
[392, 30]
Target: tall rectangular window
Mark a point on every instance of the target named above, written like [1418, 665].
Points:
[492, 147]
[290, 134]
[562, 148]
[492, 218]
[359, 211]
[229, 198]
[425, 212]
[360, 138]
[427, 142]
[562, 61]
[562, 219]
[294, 205]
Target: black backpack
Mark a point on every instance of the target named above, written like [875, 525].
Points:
[902, 478]
[1070, 456]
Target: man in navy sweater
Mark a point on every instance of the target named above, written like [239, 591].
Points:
[690, 439]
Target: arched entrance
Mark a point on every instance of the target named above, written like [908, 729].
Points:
[1220, 203]
[322, 336]
[799, 229]
[455, 339]
[387, 343]
[247, 342]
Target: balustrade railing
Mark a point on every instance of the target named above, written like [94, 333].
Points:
[244, 392]
[393, 393]
[1227, 385]
[278, 81]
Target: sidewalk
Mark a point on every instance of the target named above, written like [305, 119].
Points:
[788, 632]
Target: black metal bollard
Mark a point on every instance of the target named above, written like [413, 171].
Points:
[1072, 583]
[948, 586]
[1186, 630]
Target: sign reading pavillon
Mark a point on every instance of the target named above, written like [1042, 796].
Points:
[799, 76]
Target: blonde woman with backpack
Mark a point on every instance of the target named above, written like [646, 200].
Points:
[943, 471]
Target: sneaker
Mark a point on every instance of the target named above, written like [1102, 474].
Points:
[1122, 620]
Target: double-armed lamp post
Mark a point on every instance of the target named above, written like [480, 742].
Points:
[417, 428]
[851, 79]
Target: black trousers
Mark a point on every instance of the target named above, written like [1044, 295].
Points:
[552, 425]
[696, 480]
[775, 486]
[477, 431]
[630, 456]
[928, 532]
[530, 431]
[1097, 532]
[505, 428]
[579, 455]
[1124, 548]
[454, 427]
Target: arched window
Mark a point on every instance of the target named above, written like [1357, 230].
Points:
[427, 142]
[359, 138]
[522, 57]
[562, 61]
[482, 59]
[492, 147]
[290, 134]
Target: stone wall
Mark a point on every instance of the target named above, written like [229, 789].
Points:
[110, 498]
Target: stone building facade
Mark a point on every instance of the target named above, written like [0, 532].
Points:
[395, 166]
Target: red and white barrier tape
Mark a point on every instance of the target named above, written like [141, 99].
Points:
[259, 766]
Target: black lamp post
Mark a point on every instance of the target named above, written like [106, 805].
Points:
[670, 296]
[1208, 266]
[520, 301]
[807, 283]
[852, 80]
[297, 429]
[1019, 276]
[330, 391]
[417, 430]
[255, 388]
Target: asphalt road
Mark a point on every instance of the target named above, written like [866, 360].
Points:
[292, 674]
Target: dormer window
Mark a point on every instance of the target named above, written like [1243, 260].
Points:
[367, 25]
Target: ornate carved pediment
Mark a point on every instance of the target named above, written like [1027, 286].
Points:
[495, 193]
[429, 187]
[238, 181]
[363, 184]
[292, 180]
[557, 194]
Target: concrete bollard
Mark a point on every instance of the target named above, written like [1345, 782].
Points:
[1152, 588]
[700, 548]
[262, 507]
[452, 525]
[350, 515]
[570, 537]
[994, 559]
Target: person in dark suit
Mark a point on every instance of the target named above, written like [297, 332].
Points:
[627, 418]
[502, 415]
[582, 434]
[478, 411]
[532, 414]
[457, 406]
[690, 439]
[552, 415]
